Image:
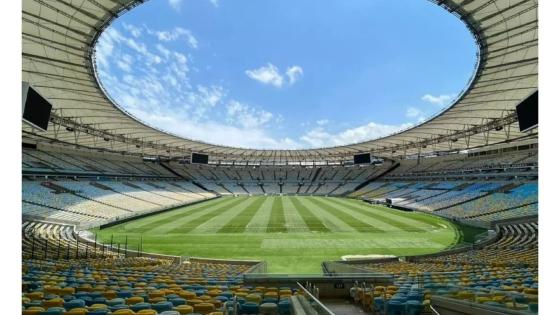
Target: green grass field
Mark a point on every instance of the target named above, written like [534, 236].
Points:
[294, 234]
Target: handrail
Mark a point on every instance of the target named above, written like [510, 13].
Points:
[434, 310]
[315, 300]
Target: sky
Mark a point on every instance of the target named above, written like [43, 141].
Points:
[285, 74]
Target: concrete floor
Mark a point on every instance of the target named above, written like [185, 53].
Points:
[342, 306]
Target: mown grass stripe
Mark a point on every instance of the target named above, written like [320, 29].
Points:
[331, 221]
[193, 222]
[346, 216]
[313, 222]
[259, 221]
[376, 214]
[294, 222]
[277, 221]
[158, 220]
[217, 222]
[240, 221]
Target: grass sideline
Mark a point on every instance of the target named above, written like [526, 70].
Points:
[294, 234]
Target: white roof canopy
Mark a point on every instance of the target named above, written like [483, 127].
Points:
[59, 37]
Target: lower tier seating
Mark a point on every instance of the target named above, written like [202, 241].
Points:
[503, 274]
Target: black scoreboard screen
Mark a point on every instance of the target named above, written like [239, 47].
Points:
[362, 158]
[198, 158]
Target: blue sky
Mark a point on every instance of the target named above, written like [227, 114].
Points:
[285, 74]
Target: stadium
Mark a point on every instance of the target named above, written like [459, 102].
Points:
[122, 217]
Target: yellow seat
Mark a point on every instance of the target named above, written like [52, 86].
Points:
[253, 298]
[184, 309]
[33, 310]
[187, 295]
[51, 289]
[67, 291]
[77, 311]
[204, 308]
[56, 302]
[35, 295]
[217, 303]
[97, 307]
[194, 301]
[123, 312]
[134, 299]
[110, 294]
[147, 312]
[157, 299]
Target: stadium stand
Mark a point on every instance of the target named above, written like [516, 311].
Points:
[97, 164]
[502, 274]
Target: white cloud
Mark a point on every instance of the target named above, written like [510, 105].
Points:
[269, 75]
[124, 62]
[215, 3]
[154, 86]
[247, 117]
[133, 30]
[294, 73]
[440, 100]
[319, 137]
[176, 4]
[166, 52]
[176, 33]
[413, 112]
[266, 75]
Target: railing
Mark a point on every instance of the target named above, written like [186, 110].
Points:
[310, 300]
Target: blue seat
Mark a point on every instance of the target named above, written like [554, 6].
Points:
[162, 306]
[124, 294]
[116, 301]
[98, 312]
[118, 307]
[52, 312]
[378, 304]
[413, 307]
[250, 308]
[284, 307]
[140, 306]
[178, 301]
[395, 307]
[534, 307]
[74, 304]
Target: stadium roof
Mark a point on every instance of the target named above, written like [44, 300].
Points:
[58, 43]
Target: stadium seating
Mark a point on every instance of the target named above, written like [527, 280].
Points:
[505, 272]
[76, 201]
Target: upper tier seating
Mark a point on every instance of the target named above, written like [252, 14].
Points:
[58, 162]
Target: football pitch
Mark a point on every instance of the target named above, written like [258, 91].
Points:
[293, 234]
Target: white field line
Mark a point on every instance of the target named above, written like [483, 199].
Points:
[294, 221]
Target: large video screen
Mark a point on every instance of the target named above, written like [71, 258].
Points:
[199, 158]
[36, 109]
[362, 158]
[528, 112]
